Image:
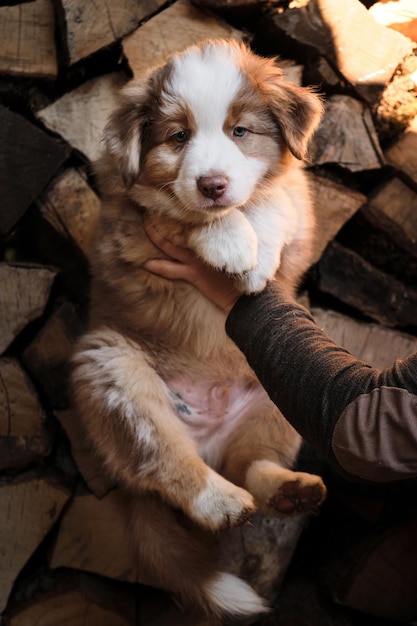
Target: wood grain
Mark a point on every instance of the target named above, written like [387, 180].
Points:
[24, 292]
[72, 208]
[23, 434]
[180, 25]
[81, 114]
[92, 537]
[346, 136]
[90, 26]
[348, 277]
[48, 355]
[364, 52]
[373, 343]
[403, 153]
[29, 158]
[27, 35]
[29, 508]
[393, 209]
[334, 206]
[80, 600]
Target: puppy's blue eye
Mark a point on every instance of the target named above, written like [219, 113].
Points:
[181, 136]
[239, 131]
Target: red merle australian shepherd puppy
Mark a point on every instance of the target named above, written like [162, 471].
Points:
[210, 146]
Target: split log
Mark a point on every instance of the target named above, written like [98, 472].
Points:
[334, 206]
[92, 537]
[393, 209]
[90, 26]
[365, 53]
[293, 73]
[383, 549]
[79, 599]
[348, 277]
[400, 15]
[229, 4]
[47, 356]
[90, 468]
[403, 154]
[29, 507]
[261, 553]
[324, 74]
[368, 234]
[347, 137]
[72, 208]
[373, 343]
[81, 115]
[24, 292]
[23, 434]
[398, 105]
[180, 25]
[27, 35]
[29, 158]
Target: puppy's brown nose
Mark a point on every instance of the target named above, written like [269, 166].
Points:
[212, 186]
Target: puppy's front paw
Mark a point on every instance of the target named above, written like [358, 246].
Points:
[234, 256]
[252, 282]
[222, 504]
[229, 244]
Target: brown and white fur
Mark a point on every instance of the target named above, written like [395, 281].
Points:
[210, 146]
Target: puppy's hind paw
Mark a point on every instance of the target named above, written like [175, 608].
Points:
[296, 496]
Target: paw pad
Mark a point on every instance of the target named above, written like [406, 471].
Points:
[294, 497]
[242, 519]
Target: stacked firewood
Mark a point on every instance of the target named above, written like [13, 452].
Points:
[64, 559]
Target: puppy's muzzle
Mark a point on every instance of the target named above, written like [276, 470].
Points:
[212, 186]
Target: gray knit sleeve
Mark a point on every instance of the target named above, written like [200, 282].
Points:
[310, 378]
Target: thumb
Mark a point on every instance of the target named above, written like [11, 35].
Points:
[166, 268]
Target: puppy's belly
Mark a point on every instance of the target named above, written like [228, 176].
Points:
[213, 409]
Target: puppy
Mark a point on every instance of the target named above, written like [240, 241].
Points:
[210, 146]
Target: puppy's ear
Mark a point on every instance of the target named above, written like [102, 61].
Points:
[123, 134]
[297, 111]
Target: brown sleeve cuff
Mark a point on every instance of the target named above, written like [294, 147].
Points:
[375, 437]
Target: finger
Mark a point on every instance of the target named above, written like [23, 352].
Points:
[166, 268]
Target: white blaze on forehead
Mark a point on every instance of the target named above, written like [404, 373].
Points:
[208, 80]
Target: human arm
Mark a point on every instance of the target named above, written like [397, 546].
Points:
[363, 421]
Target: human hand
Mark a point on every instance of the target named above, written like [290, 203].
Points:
[183, 264]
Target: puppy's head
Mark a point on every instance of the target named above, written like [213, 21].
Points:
[206, 131]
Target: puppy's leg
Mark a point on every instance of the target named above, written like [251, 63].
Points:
[175, 555]
[284, 229]
[259, 455]
[129, 417]
[229, 243]
[283, 491]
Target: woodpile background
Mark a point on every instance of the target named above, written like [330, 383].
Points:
[63, 555]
